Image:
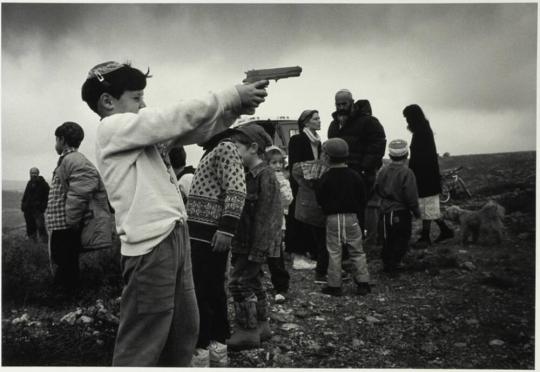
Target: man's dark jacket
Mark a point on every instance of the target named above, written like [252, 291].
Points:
[35, 196]
[365, 136]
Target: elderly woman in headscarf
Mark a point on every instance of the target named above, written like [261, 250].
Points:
[305, 232]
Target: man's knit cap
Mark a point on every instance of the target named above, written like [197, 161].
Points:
[398, 148]
[336, 148]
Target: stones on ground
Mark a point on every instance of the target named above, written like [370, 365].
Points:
[524, 236]
[85, 320]
[71, 317]
[320, 318]
[289, 326]
[472, 322]
[22, 319]
[439, 317]
[313, 345]
[283, 316]
[496, 342]
[356, 343]
[372, 319]
[468, 265]
[460, 344]
[497, 281]
[429, 347]
[302, 313]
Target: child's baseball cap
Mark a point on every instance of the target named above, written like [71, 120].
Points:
[257, 134]
[398, 148]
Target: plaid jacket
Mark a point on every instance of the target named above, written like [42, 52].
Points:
[56, 205]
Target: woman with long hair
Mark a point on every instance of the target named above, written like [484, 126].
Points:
[424, 163]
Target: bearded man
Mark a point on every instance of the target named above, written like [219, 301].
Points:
[354, 122]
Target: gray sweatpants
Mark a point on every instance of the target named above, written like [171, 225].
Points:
[159, 318]
[344, 229]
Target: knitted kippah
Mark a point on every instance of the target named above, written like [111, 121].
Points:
[102, 69]
[274, 148]
[398, 148]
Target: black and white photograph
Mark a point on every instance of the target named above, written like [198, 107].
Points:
[269, 185]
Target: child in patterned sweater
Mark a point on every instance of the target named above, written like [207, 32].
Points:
[215, 203]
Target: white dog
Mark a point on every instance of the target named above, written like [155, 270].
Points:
[486, 222]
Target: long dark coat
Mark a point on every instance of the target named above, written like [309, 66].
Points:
[424, 163]
[35, 196]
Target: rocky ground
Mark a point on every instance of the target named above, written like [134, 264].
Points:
[456, 307]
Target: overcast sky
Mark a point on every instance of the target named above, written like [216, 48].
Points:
[471, 67]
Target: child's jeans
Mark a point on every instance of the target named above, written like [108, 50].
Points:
[159, 319]
[397, 232]
[344, 230]
[246, 286]
[209, 270]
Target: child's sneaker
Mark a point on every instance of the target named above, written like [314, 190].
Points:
[218, 354]
[279, 298]
[303, 263]
[363, 289]
[332, 291]
[201, 358]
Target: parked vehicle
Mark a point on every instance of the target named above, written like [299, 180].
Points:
[280, 128]
[453, 185]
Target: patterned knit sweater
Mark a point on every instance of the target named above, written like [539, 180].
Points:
[217, 193]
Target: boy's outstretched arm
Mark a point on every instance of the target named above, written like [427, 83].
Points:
[187, 122]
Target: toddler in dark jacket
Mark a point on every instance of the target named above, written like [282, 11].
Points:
[341, 194]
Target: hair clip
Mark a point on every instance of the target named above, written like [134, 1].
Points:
[100, 77]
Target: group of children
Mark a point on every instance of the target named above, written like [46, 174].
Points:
[175, 259]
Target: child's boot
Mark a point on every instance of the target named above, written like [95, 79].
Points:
[218, 354]
[201, 358]
[262, 318]
[264, 330]
[246, 334]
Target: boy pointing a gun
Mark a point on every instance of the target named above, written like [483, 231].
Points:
[159, 315]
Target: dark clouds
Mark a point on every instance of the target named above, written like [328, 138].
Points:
[467, 64]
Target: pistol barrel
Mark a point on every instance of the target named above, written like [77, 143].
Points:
[272, 74]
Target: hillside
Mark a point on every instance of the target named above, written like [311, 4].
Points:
[455, 306]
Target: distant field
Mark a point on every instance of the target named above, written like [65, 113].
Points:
[12, 215]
